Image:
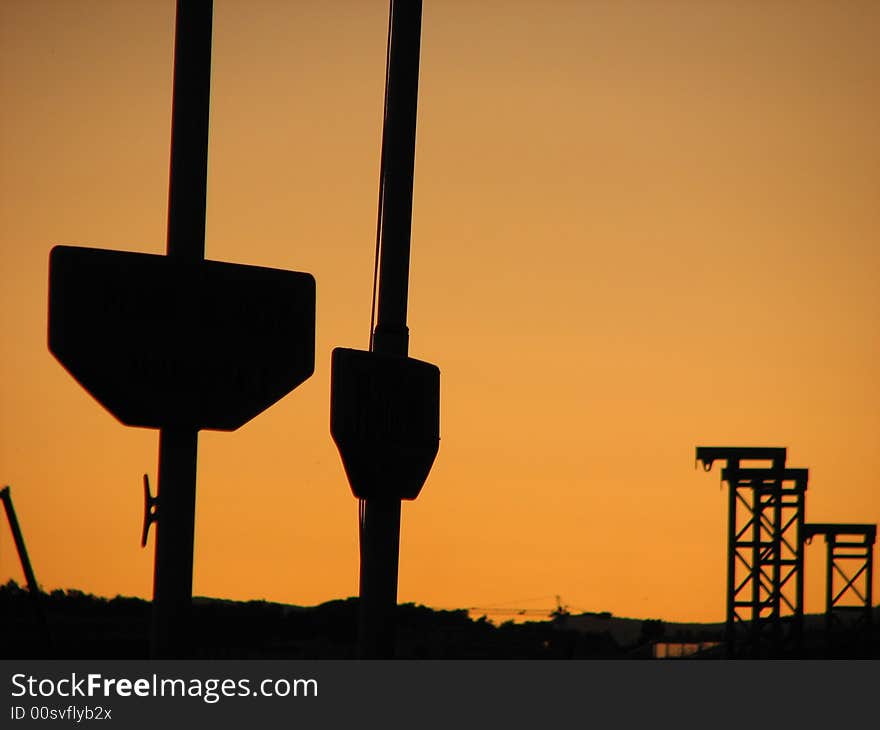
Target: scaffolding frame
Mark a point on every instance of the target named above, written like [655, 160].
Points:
[765, 551]
[765, 560]
[847, 622]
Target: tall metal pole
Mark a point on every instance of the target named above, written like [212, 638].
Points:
[380, 536]
[178, 444]
[175, 526]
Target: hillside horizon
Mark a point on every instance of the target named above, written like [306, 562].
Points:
[83, 625]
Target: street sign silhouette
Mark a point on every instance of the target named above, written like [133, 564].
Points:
[385, 420]
[162, 342]
[177, 342]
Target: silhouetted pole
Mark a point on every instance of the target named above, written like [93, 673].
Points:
[33, 588]
[6, 496]
[380, 537]
[730, 622]
[178, 444]
[829, 590]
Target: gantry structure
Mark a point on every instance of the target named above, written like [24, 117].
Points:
[765, 553]
[766, 537]
[849, 577]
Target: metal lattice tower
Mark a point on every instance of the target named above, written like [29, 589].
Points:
[848, 581]
[764, 550]
[765, 586]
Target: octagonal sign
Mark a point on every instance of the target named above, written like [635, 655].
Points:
[160, 342]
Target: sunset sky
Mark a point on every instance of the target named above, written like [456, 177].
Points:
[638, 227]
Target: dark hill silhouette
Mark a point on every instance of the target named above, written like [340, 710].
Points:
[84, 626]
[89, 627]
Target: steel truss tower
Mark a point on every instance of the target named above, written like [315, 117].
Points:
[765, 556]
[765, 578]
[849, 576]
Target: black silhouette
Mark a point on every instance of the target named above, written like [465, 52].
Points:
[18, 538]
[848, 625]
[385, 406]
[764, 551]
[87, 627]
[765, 558]
[177, 342]
[44, 636]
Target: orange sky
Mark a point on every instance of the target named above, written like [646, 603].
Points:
[637, 227]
